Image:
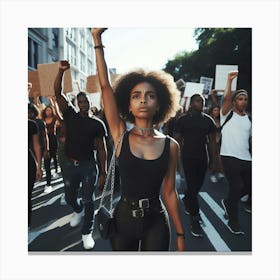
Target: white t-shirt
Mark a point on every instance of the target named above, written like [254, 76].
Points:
[235, 136]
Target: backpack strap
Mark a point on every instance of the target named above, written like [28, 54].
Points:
[227, 119]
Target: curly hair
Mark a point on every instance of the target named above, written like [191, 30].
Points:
[167, 93]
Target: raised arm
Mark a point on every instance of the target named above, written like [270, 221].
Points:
[61, 101]
[227, 102]
[116, 125]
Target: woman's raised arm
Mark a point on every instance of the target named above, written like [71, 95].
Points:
[116, 125]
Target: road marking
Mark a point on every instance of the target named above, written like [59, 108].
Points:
[210, 231]
[214, 206]
[213, 236]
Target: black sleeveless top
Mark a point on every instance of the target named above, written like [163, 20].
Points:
[141, 178]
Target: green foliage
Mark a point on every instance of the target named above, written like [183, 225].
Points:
[216, 46]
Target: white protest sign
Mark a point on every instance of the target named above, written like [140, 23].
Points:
[193, 88]
[221, 76]
[208, 82]
[95, 100]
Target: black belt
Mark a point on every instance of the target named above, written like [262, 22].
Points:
[139, 205]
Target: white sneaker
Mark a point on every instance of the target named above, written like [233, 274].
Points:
[55, 176]
[88, 241]
[63, 200]
[213, 179]
[48, 189]
[221, 175]
[76, 218]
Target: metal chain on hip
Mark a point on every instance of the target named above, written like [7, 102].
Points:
[111, 176]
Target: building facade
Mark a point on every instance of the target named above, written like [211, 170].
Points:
[47, 45]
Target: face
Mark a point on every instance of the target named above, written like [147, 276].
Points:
[240, 103]
[49, 112]
[83, 104]
[216, 112]
[197, 104]
[143, 101]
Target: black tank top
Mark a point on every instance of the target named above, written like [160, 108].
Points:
[141, 178]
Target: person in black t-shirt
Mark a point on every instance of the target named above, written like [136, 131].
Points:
[83, 136]
[194, 127]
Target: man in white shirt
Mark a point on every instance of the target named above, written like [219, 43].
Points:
[235, 152]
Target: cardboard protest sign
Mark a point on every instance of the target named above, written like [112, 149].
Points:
[193, 88]
[92, 85]
[95, 100]
[33, 78]
[221, 76]
[47, 74]
[208, 82]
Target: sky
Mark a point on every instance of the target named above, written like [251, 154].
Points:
[150, 48]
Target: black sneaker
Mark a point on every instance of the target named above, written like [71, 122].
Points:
[234, 228]
[248, 207]
[196, 229]
[225, 208]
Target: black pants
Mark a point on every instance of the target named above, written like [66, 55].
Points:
[195, 171]
[31, 181]
[53, 155]
[239, 176]
[150, 233]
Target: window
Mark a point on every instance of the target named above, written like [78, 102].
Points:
[71, 54]
[90, 68]
[33, 53]
[82, 63]
[82, 40]
[82, 84]
[54, 38]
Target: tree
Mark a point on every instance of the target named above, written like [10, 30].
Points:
[216, 46]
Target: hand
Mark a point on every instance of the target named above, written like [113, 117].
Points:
[46, 155]
[213, 91]
[101, 180]
[96, 32]
[64, 65]
[181, 244]
[232, 75]
[39, 174]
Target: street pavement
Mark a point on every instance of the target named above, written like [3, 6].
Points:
[50, 230]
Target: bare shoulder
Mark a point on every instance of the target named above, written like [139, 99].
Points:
[174, 145]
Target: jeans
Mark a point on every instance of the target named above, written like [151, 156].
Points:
[85, 173]
[239, 176]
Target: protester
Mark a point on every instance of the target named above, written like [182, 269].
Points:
[50, 119]
[146, 157]
[215, 161]
[195, 128]
[235, 152]
[83, 136]
[34, 163]
[42, 131]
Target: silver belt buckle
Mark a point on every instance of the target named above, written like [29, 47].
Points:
[144, 203]
[138, 213]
